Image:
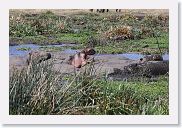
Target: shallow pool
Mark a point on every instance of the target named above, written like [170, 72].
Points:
[13, 51]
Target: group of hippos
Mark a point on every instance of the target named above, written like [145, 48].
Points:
[150, 65]
[78, 60]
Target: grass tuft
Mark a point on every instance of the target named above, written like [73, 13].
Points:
[39, 90]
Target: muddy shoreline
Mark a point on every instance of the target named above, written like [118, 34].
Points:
[103, 63]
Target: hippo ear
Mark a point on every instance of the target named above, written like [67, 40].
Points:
[71, 57]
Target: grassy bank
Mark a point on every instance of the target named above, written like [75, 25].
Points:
[119, 32]
[40, 90]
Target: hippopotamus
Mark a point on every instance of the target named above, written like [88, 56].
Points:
[154, 57]
[37, 57]
[149, 68]
[80, 59]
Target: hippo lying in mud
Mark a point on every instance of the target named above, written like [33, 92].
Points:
[37, 57]
[148, 69]
[80, 59]
[154, 57]
[139, 70]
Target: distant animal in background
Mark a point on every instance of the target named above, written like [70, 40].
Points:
[102, 10]
[37, 57]
[154, 57]
[118, 10]
[80, 59]
[91, 10]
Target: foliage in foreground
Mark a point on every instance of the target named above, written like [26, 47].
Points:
[40, 90]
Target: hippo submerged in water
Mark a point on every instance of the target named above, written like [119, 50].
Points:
[80, 59]
[154, 57]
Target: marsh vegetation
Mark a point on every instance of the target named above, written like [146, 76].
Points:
[42, 89]
[39, 90]
[118, 32]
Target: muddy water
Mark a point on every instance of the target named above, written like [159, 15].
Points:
[13, 51]
[136, 56]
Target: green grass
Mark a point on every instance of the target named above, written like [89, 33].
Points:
[136, 46]
[39, 90]
[72, 37]
[57, 49]
[54, 39]
[24, 49]
[138, 97]
[49, 28]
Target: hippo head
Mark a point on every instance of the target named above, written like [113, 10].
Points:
[154, 57]
[89, 51]
[131, 68]
[157, 58]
